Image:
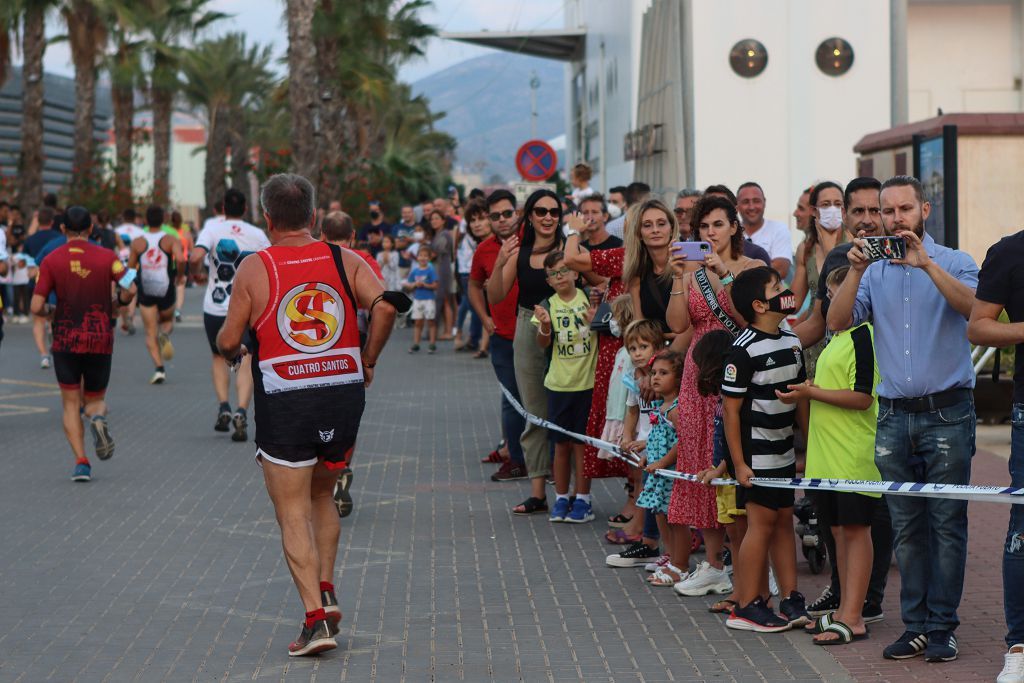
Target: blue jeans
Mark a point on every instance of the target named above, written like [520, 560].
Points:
[476, 326]
[512, 423]
[1013, 553]
[929, 534]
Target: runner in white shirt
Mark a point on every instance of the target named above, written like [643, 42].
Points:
[126, 234]
[222, 245]
[772, 236]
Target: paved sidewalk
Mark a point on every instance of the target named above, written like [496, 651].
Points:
[168, 566]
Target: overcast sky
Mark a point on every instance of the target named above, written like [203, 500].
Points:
[262, 22]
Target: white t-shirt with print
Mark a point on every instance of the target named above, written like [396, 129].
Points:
[227, 241]
[774, 238]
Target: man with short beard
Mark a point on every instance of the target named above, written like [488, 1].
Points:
[500, 321]
[595, 215]
[926, 421]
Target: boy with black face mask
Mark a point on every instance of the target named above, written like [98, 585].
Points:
[763, 362]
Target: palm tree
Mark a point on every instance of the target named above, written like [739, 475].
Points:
[302, 85]
[88, 31]
[166, 24]
[8, 36]
[33, 45]
[126, 76]
[226, 78]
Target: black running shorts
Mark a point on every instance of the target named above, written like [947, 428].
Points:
[844, 508]
[162, 303]
[91, 371]
[213, 323]
[771, 498]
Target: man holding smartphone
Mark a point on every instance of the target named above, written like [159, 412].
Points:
[926, 421]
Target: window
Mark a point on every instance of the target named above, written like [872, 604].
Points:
[748, 58]
[834, 56]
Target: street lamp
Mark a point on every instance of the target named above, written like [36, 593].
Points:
[534, 87]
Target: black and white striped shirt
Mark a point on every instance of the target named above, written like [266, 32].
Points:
[757, 365]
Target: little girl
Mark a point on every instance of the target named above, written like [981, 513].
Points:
[615, 405]
[387, 259]
[666, 372]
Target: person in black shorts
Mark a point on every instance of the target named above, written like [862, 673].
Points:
[158, 256]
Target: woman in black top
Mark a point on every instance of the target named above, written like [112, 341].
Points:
[646, 272]
[520, 267]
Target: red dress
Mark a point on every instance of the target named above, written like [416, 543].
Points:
[606, 263]
[693, 504]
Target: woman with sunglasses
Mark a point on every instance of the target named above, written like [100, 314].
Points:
[521, 261]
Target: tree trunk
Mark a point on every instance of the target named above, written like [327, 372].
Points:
[216, 148]
[87, 37]
[240, 159]
[123, 98]
[31, 171]
[162, 112]
[332, 124]
[302, 87]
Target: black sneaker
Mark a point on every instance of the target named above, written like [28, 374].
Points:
[313, 640]
[636, 555]
[941, 647]
[757, 617]
[330, 603]
[827, 602]
[794, 609]
[223, 421]
[872, 613]
[240, 422]
[509, 471]
[342, 498]
[908, 645]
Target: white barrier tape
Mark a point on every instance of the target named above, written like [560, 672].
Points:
[985, 494]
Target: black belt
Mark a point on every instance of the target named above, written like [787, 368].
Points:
[921, 404]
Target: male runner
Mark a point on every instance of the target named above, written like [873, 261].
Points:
[80, 274]
[300, 299]
[159, 257]
[126, 233]
[223, 244]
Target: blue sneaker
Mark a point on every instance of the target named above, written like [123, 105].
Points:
[581, 512]
[83, 472]
[560, 511]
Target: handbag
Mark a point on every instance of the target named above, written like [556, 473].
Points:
[708, 292]
[602, 318]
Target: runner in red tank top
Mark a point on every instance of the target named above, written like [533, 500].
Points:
[300, 297]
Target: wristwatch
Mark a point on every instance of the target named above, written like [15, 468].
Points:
[571, 231]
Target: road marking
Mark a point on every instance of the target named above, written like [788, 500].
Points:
[11, 409]
[25, 382]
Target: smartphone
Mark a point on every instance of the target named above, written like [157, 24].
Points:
[885, 248]
[691, 251]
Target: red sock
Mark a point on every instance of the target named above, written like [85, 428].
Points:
[315, 616]
[82, 461]
[326, 586]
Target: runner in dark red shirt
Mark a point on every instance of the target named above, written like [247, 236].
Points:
[80, 273]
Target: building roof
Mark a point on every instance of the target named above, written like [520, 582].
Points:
[561, 44]
[966, 124]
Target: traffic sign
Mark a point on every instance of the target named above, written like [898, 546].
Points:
[536, 161]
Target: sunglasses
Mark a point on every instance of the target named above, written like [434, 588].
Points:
[561, 272]
[507, 213]
[540, 212]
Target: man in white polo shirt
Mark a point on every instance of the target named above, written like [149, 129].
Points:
[772, 236]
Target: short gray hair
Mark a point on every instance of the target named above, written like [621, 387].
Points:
[289, 201]
[337, 227]
[687, 192]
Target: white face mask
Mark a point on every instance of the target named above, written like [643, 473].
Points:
[614, 211]
[830, 218]
[417, 236]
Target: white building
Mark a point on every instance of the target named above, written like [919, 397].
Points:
[653, 95]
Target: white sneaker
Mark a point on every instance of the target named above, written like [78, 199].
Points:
[1013, 669]
[703, 580]
[44, 362]
[773, 585]
[657, 564]
[158, 377]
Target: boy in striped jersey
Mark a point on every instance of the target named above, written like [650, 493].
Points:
[763, 362]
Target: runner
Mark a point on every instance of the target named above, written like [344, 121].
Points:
[126, 233]
[300, 299]
[159, 255]
[223, 244]
[80, 274]
[184, 235]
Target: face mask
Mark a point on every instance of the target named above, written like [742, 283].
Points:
[783, 302]
[830, 217]
[613, 327]
[417, 235]
[374, 215]
[614, 211]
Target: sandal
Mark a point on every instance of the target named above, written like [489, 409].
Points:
[846, 635]
[820, 624]
[663, 577]
[531, 506]
[618, 521]
[482, 353]
[723, 606]
[620, 537]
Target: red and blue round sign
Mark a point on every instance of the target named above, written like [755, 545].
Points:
[536, 161]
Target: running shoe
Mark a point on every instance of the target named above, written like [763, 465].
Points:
[636, 555]
[44, 363]
[941, 647]
[581, 512]
[757, 617]
[415, 348]
[908, 645]
[240, 422]
[560, 511]
[223, 421]
[827, 602]
[330, 603]
[509, 471]
[794, 608]
[177, 316]
[166, 347]
[342, 498]
[83, 472]
[432, 348]
[158, 377]
[101, 437]
[704, 580]
[313, 640]
[1013, 666]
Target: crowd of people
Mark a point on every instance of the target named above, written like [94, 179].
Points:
[688, 337]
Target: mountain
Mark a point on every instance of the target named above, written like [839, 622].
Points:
[486, 101]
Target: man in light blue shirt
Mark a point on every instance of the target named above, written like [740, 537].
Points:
[919, 306]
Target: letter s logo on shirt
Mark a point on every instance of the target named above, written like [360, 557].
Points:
[310, 317]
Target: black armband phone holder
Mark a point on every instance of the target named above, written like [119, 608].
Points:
[399, 300]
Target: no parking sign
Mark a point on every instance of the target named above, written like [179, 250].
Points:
[536, 161]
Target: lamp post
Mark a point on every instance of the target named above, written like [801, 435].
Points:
[534, 86]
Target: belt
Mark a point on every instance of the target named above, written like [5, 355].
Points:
[929, 403]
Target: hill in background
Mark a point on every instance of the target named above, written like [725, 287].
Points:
[487, 104]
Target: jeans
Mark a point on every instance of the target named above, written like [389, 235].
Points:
[476, 326]
[881, 543]
[512, 423]
[929, 534]
[1013, 553]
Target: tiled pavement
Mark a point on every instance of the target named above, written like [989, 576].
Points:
[167, 566]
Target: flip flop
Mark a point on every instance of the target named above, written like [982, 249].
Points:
[620, 537]
[846, 635]
[723, 606]
[820, 624]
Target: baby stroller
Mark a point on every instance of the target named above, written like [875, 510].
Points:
[811, 542]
